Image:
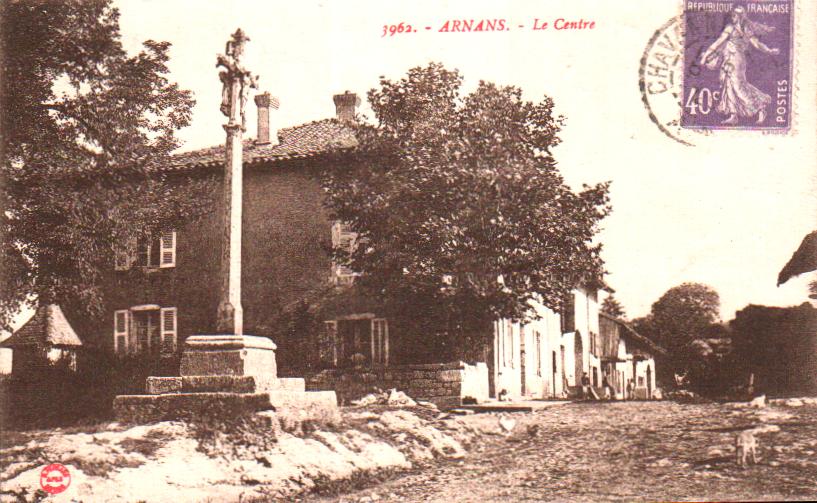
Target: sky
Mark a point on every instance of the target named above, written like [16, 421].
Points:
[728, 211]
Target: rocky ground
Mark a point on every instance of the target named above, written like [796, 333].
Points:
[580, 451]
[655, 451]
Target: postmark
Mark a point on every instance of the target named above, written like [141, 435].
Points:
[660, 77]
[737, 65]
[55, 478]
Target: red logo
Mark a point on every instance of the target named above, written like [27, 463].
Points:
[55, 478]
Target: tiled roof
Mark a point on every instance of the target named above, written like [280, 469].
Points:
[306, 140]
[48, 327]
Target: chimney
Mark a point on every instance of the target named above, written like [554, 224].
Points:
[345, 105]
[267, 135]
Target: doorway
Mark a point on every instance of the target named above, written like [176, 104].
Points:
[649, 383]
[564, 370]
[578, 358]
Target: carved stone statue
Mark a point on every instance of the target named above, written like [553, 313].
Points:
[235, 77]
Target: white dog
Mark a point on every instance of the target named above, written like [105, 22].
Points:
[745, 448]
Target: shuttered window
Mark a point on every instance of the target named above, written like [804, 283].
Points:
[156, 251]
[167, 249]
[120, 331]
[168, 323]
[345, 240]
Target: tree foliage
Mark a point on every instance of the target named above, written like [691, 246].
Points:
[613, 307]
[450, 192]
[682, 321]
[82, 123]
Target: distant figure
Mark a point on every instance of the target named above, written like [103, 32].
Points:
[503, 396]
[630, 389]
[585, 386]
[608, 389]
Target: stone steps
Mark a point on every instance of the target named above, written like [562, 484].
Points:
[221, 383]
[227, 376]
[172, 406]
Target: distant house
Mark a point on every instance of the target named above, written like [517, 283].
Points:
[627, 357]
[47, 339]
[547, 357]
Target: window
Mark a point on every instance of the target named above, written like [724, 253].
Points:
[380, 341]
[594, 344]
[568, 318]
[345, 240]
[152, 252]
[538, 337]
[146, 328]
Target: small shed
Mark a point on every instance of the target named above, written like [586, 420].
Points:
[47, 339]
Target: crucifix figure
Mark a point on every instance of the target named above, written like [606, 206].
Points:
[236, 81]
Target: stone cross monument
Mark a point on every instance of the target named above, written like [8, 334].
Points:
[228, 373]
[236, 82]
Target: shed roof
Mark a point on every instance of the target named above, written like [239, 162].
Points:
[630, 334]
[48, 327]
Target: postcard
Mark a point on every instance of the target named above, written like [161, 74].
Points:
[540, 250]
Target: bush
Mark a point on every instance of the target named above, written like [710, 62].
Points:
[55, 396]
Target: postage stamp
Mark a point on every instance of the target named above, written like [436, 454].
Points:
[738, 64]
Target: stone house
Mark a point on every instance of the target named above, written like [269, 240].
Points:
[166, 288]
[627, 356]
[46, 340]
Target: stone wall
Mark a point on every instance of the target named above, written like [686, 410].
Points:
[444, 384]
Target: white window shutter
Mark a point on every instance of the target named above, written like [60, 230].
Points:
[169, 327]
[343, 238]
[120, 331]
[167, 249]
[380, 341]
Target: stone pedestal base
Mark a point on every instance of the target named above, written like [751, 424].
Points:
[226, 376]
[239, 355]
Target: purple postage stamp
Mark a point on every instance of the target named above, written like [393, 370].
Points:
[738, 64]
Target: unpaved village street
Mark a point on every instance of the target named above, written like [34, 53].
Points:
[623, 452]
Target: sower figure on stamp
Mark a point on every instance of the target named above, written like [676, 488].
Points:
[728, 53]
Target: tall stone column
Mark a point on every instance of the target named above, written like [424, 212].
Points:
[236, 82]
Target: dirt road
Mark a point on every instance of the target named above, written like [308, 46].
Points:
[622, 452]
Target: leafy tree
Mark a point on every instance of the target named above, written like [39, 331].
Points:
[82, 122]
[459, 203]
[681, 321]
[613, 307]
